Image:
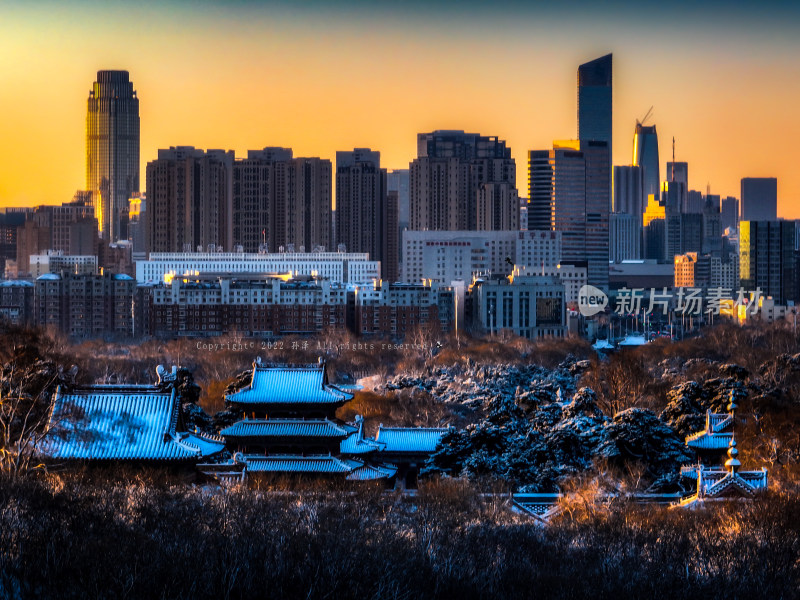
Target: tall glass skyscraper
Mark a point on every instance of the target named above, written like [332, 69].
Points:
[594, 100]
[645, 155]
[112, 151]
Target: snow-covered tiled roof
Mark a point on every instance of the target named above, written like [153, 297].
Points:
[418, 440]
[16, 283]
[289, 384]
[367, 472]
[121, 423]
[355, 443]
[284, 428]
[709, 441]
[296, 464]
[714, 436]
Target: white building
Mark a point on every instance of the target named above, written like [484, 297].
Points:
[338, 267]
[56, 261]
[446, 256]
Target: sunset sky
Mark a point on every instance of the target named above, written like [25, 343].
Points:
[326, 76]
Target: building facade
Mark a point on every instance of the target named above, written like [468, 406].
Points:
[569, 192]
[366, 219]
[759, 199]
[445, 178]
[112, 151]
[86, 306]
[339, 267]
[767, 259]
[527, 306]
[189, 200]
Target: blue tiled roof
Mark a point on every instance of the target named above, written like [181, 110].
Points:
[284, 428]
[356, 444]
[709, 441]
[366, 472]
[121, 423]
[296, 464]
[288, 384]
[410, 439]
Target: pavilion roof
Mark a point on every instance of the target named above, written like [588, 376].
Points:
[288, 384]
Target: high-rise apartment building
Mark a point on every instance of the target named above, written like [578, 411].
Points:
[366, 220]
[112, 151]
[281, 202]
[645, 155]
[445, 178]
[767, 258]
[759, 199]
[189, 200]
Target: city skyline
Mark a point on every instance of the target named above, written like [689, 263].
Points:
[329, 79]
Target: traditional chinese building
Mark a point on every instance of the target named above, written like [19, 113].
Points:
[124, 423]
[727, 482]
[289, 427]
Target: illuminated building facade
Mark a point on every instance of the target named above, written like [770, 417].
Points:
[112, 151]
[767, 258]
[645, 155]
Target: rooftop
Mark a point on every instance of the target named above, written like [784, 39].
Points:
[410, 439]
[288, 384]
[121, 423]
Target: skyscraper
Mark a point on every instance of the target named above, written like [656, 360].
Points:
[366, 221]
[594, 100]
[628, 191]
[645, 155]
[569, 189]
[767, 258]
[446, 176]
[112, 151]
[759, 199]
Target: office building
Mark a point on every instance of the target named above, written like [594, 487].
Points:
[625, 237]
[447, 256]
[729, 213]
[767, 258]
[251, 304]
[445, 178]
[189, 200]
[569, 192]
[645, 155]
[629, 195]
[595, 100]
[759, 199]
[112, 151]
[523, 305]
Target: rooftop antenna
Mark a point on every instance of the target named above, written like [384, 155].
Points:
[672, 176]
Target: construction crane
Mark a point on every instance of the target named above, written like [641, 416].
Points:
[646, 116]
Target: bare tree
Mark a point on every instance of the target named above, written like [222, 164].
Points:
[23, 422]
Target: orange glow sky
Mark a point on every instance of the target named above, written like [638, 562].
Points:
[331, 76]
